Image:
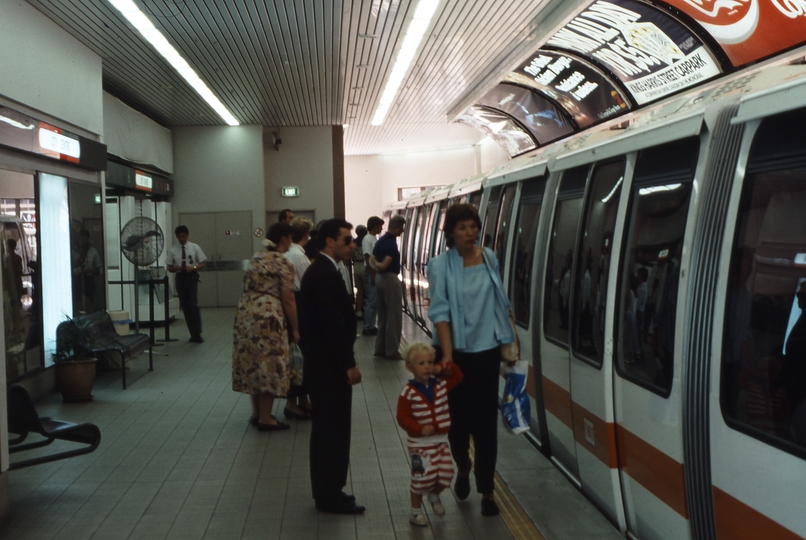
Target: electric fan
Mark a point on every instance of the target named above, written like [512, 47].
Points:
[141, 242]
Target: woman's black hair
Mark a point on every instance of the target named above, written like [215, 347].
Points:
[455, 214]
[276, 233]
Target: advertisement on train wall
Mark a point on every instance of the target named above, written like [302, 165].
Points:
[543, 119]
[653, 54]
[582, 90]
[749, 30]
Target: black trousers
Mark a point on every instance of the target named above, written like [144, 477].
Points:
[474, 413]
[331, 400]
[187, 289]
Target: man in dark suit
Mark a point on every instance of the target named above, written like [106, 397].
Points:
[327, 335]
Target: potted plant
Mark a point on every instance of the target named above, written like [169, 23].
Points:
[75, 366]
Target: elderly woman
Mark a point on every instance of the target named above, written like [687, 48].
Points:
[469, 310]
[261, 335]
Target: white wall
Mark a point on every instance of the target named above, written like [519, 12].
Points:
[304, 159]
[372, 181]
[219, 169]
[46, 69]
[134, 137]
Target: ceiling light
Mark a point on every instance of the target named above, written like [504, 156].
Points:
[147, 29]
[411, 43]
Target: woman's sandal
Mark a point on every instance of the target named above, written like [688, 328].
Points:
[279, 426]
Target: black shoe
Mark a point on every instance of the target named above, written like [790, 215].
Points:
[342, 506]
[291, 415]
[370, 332]
[462, 487]
[489, 508]
[279, 426]
[196, 339]
[347, 497]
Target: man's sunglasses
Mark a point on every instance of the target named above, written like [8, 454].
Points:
[348, 240]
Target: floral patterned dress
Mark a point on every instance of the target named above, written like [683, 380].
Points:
[260, 336]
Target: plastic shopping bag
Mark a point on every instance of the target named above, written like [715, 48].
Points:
[515, 403]
[295, 361]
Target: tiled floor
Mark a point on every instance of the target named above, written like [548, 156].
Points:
[179, 460]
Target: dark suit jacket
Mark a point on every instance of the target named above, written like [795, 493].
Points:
[327, 322]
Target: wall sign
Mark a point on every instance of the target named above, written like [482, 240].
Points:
[653, 54]
[22, 132]
[749, 30]
[258, 232]
[290, 191]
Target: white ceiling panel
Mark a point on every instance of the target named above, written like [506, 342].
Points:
[309, 62]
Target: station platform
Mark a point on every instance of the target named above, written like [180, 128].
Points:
[179, 460]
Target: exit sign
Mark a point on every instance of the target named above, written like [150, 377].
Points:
[290, 191]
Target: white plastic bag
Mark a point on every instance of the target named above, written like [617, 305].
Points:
[515, 403]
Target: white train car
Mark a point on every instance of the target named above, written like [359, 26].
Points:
[658, 279]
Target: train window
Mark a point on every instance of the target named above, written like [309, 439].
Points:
[475, 199]
[419, 236]
[649, 274]
[523, 248]
[764, 342]
[491, 217]
[593, 256]
[502, 229]
[557, 292]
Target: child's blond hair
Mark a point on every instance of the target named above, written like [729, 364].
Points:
[418, 347]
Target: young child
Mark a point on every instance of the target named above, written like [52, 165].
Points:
[422, 411]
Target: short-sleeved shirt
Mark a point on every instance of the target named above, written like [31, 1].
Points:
[301, 262]
[193, 255]
[387, 247]
[368, 244]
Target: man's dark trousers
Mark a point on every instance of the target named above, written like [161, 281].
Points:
[187, 289]
[331, 402]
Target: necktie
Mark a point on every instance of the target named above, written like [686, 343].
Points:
[184, 261]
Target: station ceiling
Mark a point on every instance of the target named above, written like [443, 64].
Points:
[313, 62]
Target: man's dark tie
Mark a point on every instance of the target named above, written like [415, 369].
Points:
[184, 261]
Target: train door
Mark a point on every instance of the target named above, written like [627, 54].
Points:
[491, 217]
[554, 350]
[758, 372]
[405, 258]
[520, 282]
[648, 393]
[503, 228]
[591, 376]
[416, 256]
[430, 214]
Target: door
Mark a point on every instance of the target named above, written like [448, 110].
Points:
[555, 378]
[226, 239]
[592, 296]
[648, 393]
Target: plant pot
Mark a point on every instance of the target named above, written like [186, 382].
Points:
[75, 379]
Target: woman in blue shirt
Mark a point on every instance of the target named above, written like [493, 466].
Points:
[469, 310]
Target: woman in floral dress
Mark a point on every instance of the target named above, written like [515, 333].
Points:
[260, 362]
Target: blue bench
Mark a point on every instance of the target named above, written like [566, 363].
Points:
[104, 340]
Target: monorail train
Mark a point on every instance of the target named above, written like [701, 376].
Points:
[657, 273]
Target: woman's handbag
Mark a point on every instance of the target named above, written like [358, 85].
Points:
[510, 352]
[515, 403]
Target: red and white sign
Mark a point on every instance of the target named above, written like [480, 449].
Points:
[749, 30]
[142, 181]
[258, 232]
[53, 143]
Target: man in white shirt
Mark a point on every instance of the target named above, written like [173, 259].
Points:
[296, 253]
[374, 227]
[185, 260]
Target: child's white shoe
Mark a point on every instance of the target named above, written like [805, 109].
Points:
[436, 504]
[419, 519]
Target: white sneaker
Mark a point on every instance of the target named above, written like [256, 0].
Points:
[436, 504]
[419, 519]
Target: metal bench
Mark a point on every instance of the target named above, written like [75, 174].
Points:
[104, 340]
[23, 419]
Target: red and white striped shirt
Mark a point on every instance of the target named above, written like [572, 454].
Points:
[414, 411]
